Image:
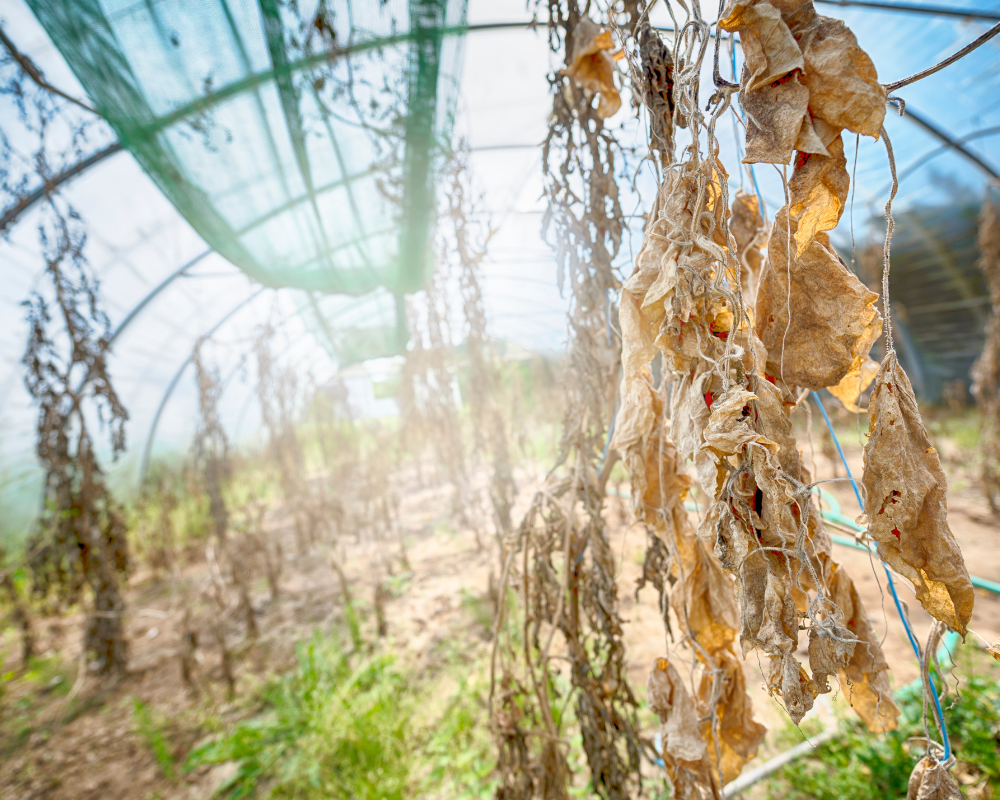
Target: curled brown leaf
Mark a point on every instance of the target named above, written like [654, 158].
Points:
[833, 321]
[906, 501]
[592, 66]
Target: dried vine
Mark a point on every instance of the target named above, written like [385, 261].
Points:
[559, 560]
[276, 392]
[80, 540]
[489, 426]
[211, 447]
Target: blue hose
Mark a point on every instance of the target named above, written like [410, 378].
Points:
[892, 585]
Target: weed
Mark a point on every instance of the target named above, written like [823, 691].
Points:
[331, 729]
[346, 726]
[861, 766]
[150, 727]
[399, 584]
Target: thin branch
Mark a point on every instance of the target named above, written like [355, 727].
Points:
[891, 87]
[33, 72]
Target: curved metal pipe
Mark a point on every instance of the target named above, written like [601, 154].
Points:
[147, 449]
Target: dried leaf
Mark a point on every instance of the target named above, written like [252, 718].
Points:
[706, 605]
[593, 67]
[670, 701]
[830, 649]
[799, 15]
[818, 190]
[994, 649]
[843, 85]
[787, 679]
[638, 335]
[833, 322]
[931, 781]
[853, 384]
[769, 48]
[690, 409]
[864, 681]
[636, 415]
[729, 430]
[906, 501]
[747, 227]
[737, 734]
[775, 116]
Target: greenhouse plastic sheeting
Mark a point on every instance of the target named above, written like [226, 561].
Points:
[238, 111]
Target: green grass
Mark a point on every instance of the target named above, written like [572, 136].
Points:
[351, 726]
[863, 766]
[22, 696]
[150, 727]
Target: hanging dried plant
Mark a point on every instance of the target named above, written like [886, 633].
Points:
[559, 560]
[277, 392]
[906, 501]
[490, 428]
[685, 300]
[81, 535]
[211, 447]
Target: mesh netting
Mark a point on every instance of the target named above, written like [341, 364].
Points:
[302, 145]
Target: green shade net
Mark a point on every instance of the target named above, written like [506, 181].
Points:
[302, 141]
[354, 329]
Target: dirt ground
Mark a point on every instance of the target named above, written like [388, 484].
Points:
[90, 747]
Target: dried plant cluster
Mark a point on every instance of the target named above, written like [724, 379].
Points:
[986, 372]
[744, 337]
[81, 539]
[431, 406]
[211, 447]
[79, 551]
[277, 392]
[485, 393]
[558, 561]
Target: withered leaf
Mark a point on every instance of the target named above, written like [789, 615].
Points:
[853, 384]
[703, 599]
[994, 649]
[775, 115]
[689, 414]
[799, 15]
[830, 649]
[843, 85]
[769, 48]
[834, 321]
[906, 501]
[747, 226]
[636, 415]
[817, 192]
[864, 680]
[670, 701]
[738, 734]
[931, 781]
[592, 66]
[787, 679]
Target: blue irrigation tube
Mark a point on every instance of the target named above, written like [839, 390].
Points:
[892, 586]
